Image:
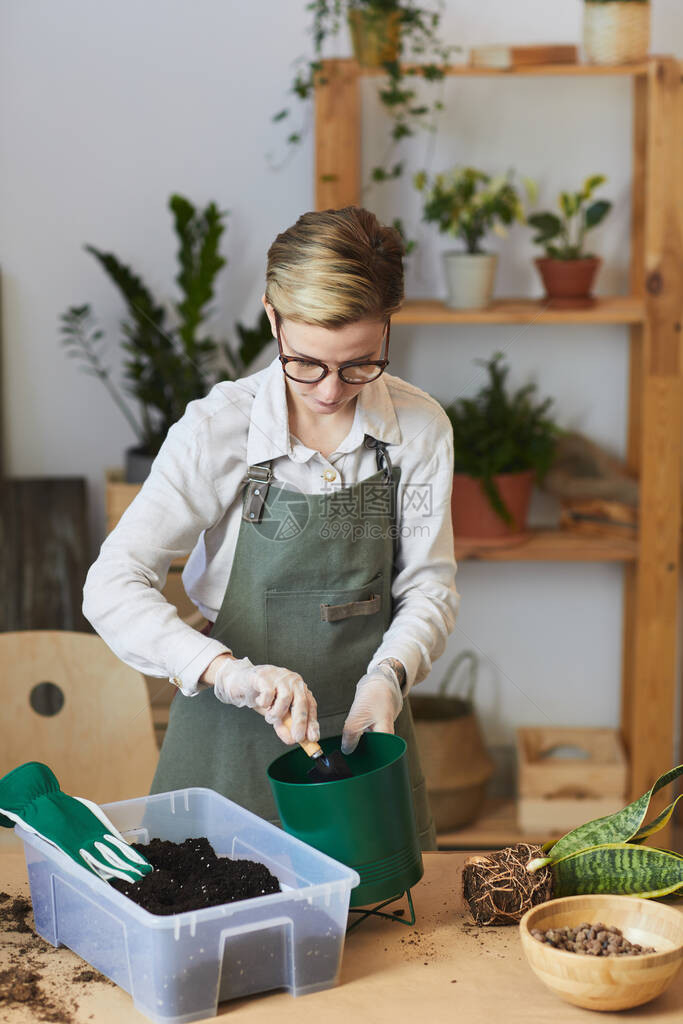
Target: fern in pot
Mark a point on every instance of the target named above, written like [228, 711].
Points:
[467, 204]
[503, 443]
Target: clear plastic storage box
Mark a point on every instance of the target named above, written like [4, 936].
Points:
[178, 968]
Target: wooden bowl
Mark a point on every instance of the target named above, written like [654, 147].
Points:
[611, 982]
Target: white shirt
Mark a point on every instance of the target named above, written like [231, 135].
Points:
[192, 502]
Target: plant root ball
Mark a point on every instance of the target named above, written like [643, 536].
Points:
[499, 889]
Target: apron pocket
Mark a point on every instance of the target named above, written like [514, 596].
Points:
[327, 636]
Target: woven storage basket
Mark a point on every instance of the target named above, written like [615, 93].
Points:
[616, 31]
[455, 762]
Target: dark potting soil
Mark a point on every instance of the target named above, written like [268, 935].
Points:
[189, 876]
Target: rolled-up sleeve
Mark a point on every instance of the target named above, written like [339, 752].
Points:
[122, 594]
[425, 599]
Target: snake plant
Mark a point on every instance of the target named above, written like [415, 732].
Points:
[605, 855]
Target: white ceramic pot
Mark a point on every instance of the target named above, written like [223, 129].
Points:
[469, 278]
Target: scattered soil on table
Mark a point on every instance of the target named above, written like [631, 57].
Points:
[499, 889]
[591, 940]
[189, 876]
[13, 914]
[33, 982]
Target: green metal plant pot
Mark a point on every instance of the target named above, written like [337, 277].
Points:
[367, 822]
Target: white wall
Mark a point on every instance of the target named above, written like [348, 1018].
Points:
[108, 108]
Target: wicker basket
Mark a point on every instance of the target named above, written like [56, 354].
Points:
[615, 31]
[455, 762]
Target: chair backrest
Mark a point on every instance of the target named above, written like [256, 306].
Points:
[100, 742]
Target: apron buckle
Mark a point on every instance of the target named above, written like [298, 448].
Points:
[258, 481]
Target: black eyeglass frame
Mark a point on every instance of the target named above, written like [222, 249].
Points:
[381, 363]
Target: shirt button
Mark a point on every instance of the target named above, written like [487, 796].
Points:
[329, 475]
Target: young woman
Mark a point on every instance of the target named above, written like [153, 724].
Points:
[313, 499]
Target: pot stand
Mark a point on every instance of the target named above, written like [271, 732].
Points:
[377, 912]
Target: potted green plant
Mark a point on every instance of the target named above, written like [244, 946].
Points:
[503, 442]
[567, 270]
[615, 31]
[468, 203]
[167, 364]
[384, 33]
[375, 27]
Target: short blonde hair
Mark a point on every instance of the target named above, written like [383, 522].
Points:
[335, 267]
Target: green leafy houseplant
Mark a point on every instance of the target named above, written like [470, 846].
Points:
[567, 270]
[603, 856]
[467, 203]
[418, 39]
[563, 236]
[167, 364]
[498, 432]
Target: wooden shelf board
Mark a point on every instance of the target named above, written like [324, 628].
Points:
[540, 70]
[617, 309]
[496, 827]
[553, 546]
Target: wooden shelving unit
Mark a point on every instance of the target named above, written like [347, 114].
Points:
[626, 309]
[541, 70]
[554, 546]
[653, 314]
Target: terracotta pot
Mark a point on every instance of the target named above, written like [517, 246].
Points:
[568, 282]
[475, 519]
[374, 36]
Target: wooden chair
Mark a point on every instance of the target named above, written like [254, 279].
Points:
[95, 730]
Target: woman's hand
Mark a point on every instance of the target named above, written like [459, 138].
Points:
[272, 691]
[375, 708]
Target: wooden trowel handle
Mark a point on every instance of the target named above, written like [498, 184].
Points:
[312, 749]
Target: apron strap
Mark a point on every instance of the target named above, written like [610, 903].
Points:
[382, 457]
[257, 482]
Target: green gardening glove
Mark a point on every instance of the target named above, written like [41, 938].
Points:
[30, 796]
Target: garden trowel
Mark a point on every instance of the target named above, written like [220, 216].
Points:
[326, 767]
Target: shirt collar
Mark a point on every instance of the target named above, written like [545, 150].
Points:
[375, 416]
[269, 436]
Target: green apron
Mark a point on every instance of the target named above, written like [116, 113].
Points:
[310, 590]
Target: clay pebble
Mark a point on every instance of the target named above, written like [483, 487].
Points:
[591, 940]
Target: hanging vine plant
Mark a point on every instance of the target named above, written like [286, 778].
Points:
[400, 37]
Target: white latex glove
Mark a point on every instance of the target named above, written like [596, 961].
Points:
[273, 692]
[375, 707]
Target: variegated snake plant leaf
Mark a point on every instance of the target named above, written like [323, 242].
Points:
[604, 855]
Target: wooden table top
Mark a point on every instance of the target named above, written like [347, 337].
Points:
[442, 969]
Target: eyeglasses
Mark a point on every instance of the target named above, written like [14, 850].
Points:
[311, 371]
